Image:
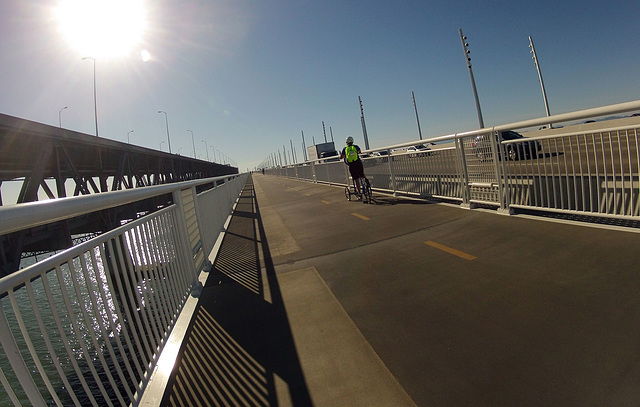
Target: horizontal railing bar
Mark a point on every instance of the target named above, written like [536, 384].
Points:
[15, 279]
[27, 215]
[577, 115]
[573, 133]
[413, 143]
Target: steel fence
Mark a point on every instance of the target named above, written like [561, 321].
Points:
[87, 325]
[591, 171]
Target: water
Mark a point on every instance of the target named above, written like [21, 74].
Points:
[83, 325]
[94, 329]
[67, 324]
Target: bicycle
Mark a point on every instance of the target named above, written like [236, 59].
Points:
[365, 190]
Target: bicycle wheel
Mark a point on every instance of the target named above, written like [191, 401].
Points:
[366, 190]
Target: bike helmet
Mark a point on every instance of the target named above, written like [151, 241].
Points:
[349, 140]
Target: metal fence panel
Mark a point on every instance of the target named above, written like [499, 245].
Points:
[592, 173]
[378, 172]
[87, 325]
[305, 172]
[589, 173]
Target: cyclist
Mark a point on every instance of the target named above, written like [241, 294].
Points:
[351, 156]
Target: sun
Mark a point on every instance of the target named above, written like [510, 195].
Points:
[102, 28]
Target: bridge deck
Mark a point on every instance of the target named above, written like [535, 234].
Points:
[314, 300]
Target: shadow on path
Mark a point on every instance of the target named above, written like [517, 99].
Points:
[239, 349]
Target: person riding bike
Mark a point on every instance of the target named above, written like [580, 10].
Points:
[351, 156]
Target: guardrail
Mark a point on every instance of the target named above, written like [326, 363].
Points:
[592, 172]
[87, 325]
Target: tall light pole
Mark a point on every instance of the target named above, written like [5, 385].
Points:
[166, 120]
[293, 153]
[413, 97]
[128, 139]
[95, 99]
[304, 147]
[473, 82]
[206, 147]
[213, 151]
[364, 126]
[535, 61]
[194, 144]
[60, 116]
[324, 132]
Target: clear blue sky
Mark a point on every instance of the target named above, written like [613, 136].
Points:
[249, 76]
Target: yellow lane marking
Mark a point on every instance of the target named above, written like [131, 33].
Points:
[357, 215]
[326, 202]
[307, 194]
[449, 250]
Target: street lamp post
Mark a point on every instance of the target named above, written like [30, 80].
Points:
[128, 139]
[206, 147]
[161, 143]
[166, 120]
[413, 97]
[364, 126]
[213, 151]
[324, 131]
[473, 82]
[293, 152]
[193, 143]
[304, 148]
[60, 116]
[95, 99]
[535, 61]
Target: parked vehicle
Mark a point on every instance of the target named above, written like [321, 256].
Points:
[514, 151]
[419, 150]
[327, 154]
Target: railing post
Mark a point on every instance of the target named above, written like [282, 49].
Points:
[501, 171]
[392, 173]
[313, 172]
[466, 193]
[183, 234]
[199, 216]
[230, 199]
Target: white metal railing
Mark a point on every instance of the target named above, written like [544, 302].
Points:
[589, 171]
[87, 325]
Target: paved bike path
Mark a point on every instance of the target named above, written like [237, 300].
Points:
[463, 307]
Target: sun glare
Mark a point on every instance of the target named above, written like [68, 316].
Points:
[102, 28]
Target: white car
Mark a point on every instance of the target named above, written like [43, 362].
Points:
[419, 150]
